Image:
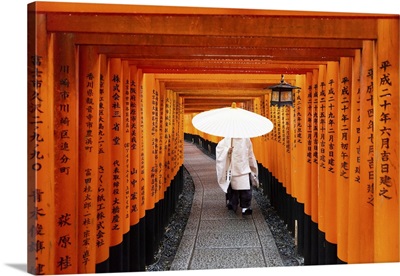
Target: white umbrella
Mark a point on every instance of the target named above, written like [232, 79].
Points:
[232, 122]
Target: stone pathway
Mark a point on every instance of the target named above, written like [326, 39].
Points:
[218, 238]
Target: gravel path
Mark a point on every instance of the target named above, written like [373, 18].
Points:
[283, 238]
[174, 231]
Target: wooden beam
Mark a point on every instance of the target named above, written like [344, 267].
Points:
[233, 83]
[224, 66]
[288, 54]
[221, 94]
[63, 7]
[214, 41]
[344, 27]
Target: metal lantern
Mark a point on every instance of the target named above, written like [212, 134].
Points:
[282, 93]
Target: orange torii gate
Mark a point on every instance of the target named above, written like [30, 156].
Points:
[345, 169]
[94, 175]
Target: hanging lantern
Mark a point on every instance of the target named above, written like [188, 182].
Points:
[282, 93]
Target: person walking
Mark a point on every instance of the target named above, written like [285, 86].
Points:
[237, 170]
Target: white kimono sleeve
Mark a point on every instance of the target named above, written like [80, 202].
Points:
[253, 167]
[222, 165]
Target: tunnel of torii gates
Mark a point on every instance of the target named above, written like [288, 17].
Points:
[112, 90]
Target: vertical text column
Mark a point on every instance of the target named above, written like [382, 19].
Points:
[103, 225]
[40, 165]
[125, 97]
[89, 80]
[386, 139]
[345, 130]
[314, 167]
[367, 153]
[332, 160]
[66, 154]
[116, 151]
[135, 147]
[354, 222]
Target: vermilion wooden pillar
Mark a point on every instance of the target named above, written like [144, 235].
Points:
[294, 129]
[137, 234]
[89, 86]
[273, 142]
[171, 117]
[333, 142]
[174, 133]
[266, 139]
[280, 145]
[126, 160]
[40, 165]
[167, 135]
[104, 192]
[298, 160]
[313, 136]
[115, 94]
[180, 131]
[126, 105]
[307, 111]
[322, 147]
[142, 182]
[354, 222]
[135, 145]
[66, 149]
[142, 198]
[162, 181]
[257, 140]
[366, 154]
[345, 131]
[288, 127]
[149, 142]
[289, 197]
[179, 137]
[157, 115]
[386, 141]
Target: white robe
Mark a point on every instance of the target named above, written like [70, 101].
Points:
[240, 164]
